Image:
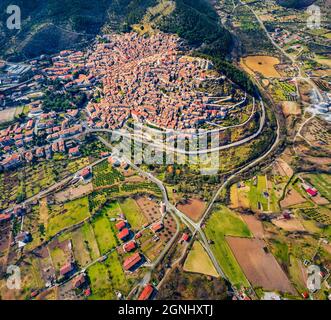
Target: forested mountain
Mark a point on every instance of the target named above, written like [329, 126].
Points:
[52, 25]
[198, 22]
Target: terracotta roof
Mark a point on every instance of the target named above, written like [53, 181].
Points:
[124, 233]
[157, 226]
[120, 225]
[129, 246]
[146, 293]
[66, 269]
[131, 261]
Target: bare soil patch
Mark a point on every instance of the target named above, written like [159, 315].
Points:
[259, 266]
[290, 108]
[254, 225]
[194, 208]
[73, 193]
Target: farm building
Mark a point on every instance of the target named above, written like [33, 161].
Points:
[147, 292]
[124, 234]
[133, 260]
[310, 190]
[185, 237]
[66, 269]
[156, 227]
[78, 281]
[130, 246]
[85, 173]
[120, 225]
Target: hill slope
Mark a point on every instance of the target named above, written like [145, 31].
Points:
[296, 4]
[53, 25]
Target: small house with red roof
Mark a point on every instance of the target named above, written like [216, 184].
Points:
[78, 281]
[130, 246]
[124, 234]
[185, 237]
[85, 174]
[120, 225]
[66, 269]
[147, 293]
[156, 227]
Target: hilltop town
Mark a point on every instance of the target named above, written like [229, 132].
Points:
[145, 165]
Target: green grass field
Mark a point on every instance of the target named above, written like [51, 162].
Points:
[72, 213]
[256, 194]
[112, 209]
[106, 278]
[104, 234]
[224, 222]
[59, 258]
[198, 261]
[133, 213]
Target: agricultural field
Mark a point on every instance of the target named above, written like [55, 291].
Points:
[60, 253]
[259, 266]
[66, 215]
[193, 208]
[284, 91]
[107, 279]
[133, 214]
[150, 208]
[198, 261]
[104, 174]
[16, 186]
[85, 247]
[261, 193]
[264, 65]
[322, 182]
[223, 222]
[31, 280]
